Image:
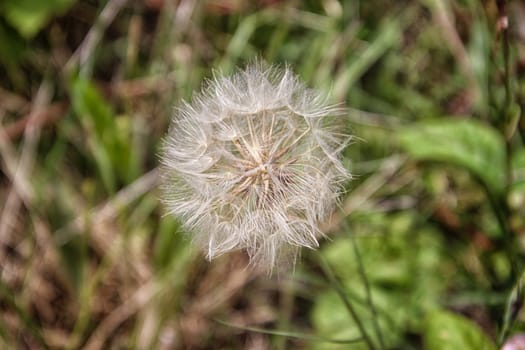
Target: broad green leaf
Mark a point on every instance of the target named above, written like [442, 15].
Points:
[29, 16]
[462, 142]
[445, 330]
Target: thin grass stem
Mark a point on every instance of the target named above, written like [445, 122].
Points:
[327, 270]
[368, 291]
[296, 335]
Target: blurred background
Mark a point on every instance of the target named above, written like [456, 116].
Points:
[425, 251]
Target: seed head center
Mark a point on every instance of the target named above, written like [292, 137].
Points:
[259, 172]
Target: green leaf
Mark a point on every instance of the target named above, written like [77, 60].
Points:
[462, 142]
[29, 16]
[518, 168]
[517, 190]
[109, 136]
[97, 118]
[445, 330]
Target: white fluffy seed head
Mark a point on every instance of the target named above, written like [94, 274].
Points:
[254, 163]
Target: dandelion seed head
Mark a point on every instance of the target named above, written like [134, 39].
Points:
[254, 163]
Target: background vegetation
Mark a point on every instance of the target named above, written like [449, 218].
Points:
[426, 250]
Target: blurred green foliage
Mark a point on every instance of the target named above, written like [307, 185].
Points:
[448, 331]
[29, 17]
[462, 142]
[404, 265]
[436, 211]
[110, 139]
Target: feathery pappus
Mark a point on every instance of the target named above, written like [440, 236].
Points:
[254, 163]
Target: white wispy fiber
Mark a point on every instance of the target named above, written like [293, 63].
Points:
[254, 163]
